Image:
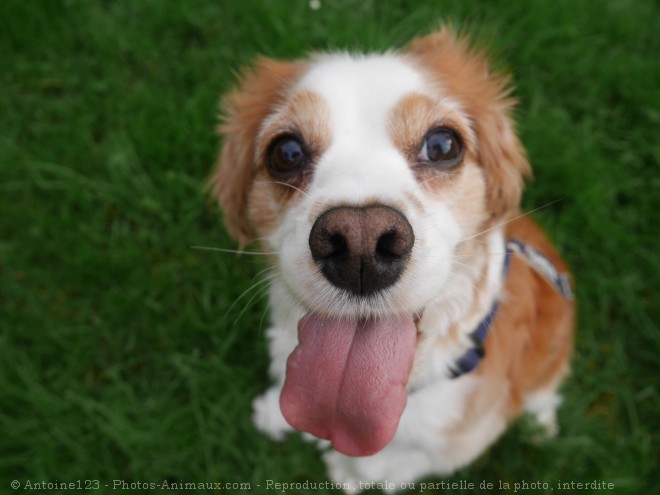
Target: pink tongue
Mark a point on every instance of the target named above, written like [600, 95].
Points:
[346, 381]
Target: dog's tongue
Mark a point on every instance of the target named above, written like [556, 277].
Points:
[346, 381]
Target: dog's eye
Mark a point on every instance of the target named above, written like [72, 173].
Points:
[441, 147]
[286, 155]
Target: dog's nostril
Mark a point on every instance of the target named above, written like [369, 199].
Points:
[388, 247]
[339, 245]
[327, 246]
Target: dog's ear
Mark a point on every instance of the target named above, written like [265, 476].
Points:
[465, 74]
[260, 90]
[504, 160]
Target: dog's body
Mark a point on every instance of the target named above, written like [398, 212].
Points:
[385, 189]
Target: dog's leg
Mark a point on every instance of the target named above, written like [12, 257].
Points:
[266, 413]
[267, 416]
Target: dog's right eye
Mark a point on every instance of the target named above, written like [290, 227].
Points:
[442, 148]
[286, 156]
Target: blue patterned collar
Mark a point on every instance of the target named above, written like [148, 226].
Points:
[470, 360]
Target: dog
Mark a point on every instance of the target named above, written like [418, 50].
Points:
[415, 311]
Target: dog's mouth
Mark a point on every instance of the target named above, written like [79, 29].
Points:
[346, 380]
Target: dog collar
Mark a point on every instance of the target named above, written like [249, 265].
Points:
[540, 263]
[470, 360]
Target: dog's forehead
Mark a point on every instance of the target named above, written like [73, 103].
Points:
[360, 93]
[362, 84]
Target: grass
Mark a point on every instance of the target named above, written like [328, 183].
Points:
[121, 355]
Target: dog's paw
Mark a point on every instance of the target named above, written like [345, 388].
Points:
[267, 416]
[549, 425]
[341, 471]
[543, 409]
[353, 474]
[391, 470]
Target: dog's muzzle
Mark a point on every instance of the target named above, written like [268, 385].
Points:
[362, 249]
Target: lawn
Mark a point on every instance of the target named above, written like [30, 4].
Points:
[127, 355]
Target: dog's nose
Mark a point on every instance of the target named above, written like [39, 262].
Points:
[361, 249]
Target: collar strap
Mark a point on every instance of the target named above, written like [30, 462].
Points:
[542, 264]
[473, 356]
[470, 360]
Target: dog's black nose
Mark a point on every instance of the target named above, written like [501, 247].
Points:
[362, 249]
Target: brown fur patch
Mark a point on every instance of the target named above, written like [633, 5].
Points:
[260, 91]
[305, 114]
[409, 121]
[413, 116]
[464, 74]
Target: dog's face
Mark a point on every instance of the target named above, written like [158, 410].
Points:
[418, 147]
[367, 177]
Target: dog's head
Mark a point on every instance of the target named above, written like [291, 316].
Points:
[366, 175]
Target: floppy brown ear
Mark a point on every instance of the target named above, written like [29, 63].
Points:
[465, 74]
[261, 88]
[504, 160]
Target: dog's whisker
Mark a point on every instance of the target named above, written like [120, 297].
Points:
[265, 271]
[266, 310]
[235, 251]
[282, 184]
[411, 194]
[260, 292]
[487, 253]
[265, 280]
[292, 306]
[473, 270]
[256, 287]
[495, 227]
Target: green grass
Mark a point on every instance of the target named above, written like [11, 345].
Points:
[121, 356]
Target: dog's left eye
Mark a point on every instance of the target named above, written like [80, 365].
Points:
[286, 156]
[441, 147]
